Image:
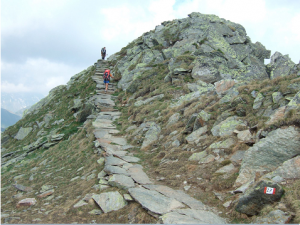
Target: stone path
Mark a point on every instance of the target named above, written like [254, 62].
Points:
[121, 170]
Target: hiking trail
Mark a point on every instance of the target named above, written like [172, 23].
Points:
[121, 169]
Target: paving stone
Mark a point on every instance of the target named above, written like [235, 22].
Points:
[139, 175]
[114, 161]
[130, 159]
[121, 181]
[154, 201]
[115, 170]
[178, 195]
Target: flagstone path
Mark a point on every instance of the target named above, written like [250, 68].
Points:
[121, 170]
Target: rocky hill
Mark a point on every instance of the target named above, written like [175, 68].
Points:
[194, 129]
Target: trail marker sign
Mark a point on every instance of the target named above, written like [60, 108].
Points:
[270, 191]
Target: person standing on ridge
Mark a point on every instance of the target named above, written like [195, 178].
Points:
[103, 53]
[106, 77]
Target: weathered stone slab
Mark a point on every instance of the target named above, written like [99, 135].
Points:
[104, 124]
[110, 201]
[115, 170]
[139, 175]
[121, 181]
[23, 132]
[46, 193]
[113, 161]
[265, 156]
[190, 216]
[130, 159]
[178, 195]
[154, 201]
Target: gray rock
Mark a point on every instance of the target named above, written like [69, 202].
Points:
[274, 217]
[178, 195]
[266, 155]
[95, 212]
[257, 197]
[148, 100]
[80, 203]
[121, 181]
[173, 119]
[280, 65]
[57, 137]
[130, 159]
[198, 156]
[190, 216]
[114, 161]
[258, 101]
[290, 169]
[237, 157]
[151, 135]
[115, 170]
[194, 136]
[138, 175]
[226, 169]
[154, 201]
[223, 144]
[23, 132]
[276, 96]
[227, 126]
[22, 187]
[110, 201]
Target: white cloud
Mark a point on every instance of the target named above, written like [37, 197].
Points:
[35, 75]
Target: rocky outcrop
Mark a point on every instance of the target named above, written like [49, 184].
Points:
[269, 153]
[219, 49]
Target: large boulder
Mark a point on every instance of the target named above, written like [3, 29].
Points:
[269, 153]
[110, 201]
[265, 192]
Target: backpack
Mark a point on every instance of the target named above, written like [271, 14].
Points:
[103, 51]
[106, 75]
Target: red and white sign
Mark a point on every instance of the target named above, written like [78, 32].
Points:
[270, 191]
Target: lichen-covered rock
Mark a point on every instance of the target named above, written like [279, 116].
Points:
[227, 126]
[173, 119]
[258, 101]
[257, 197]
[110, 201]
[151, 135]
[277, 96]
[223, 144]
[121, 181]
[267, 154]
[197, 156]
[280, 65]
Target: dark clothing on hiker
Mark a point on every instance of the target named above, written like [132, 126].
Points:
[103, 53]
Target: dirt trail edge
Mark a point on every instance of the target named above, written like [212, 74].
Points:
[122, 170]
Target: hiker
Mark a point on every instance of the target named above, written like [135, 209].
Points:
[103, 53]
[106, 77]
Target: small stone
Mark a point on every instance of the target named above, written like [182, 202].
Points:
[47, 193]
[227, 204]
[128, 198]
[75, 178]
[95, 212]
[80, 203]
[26, 202]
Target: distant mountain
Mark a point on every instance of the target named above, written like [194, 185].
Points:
[18, 101]
[8, 119]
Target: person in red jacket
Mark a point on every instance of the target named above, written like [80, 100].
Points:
[106, 77]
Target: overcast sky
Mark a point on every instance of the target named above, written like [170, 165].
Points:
[45, 42]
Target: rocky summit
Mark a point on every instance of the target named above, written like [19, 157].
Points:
[194, 128]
